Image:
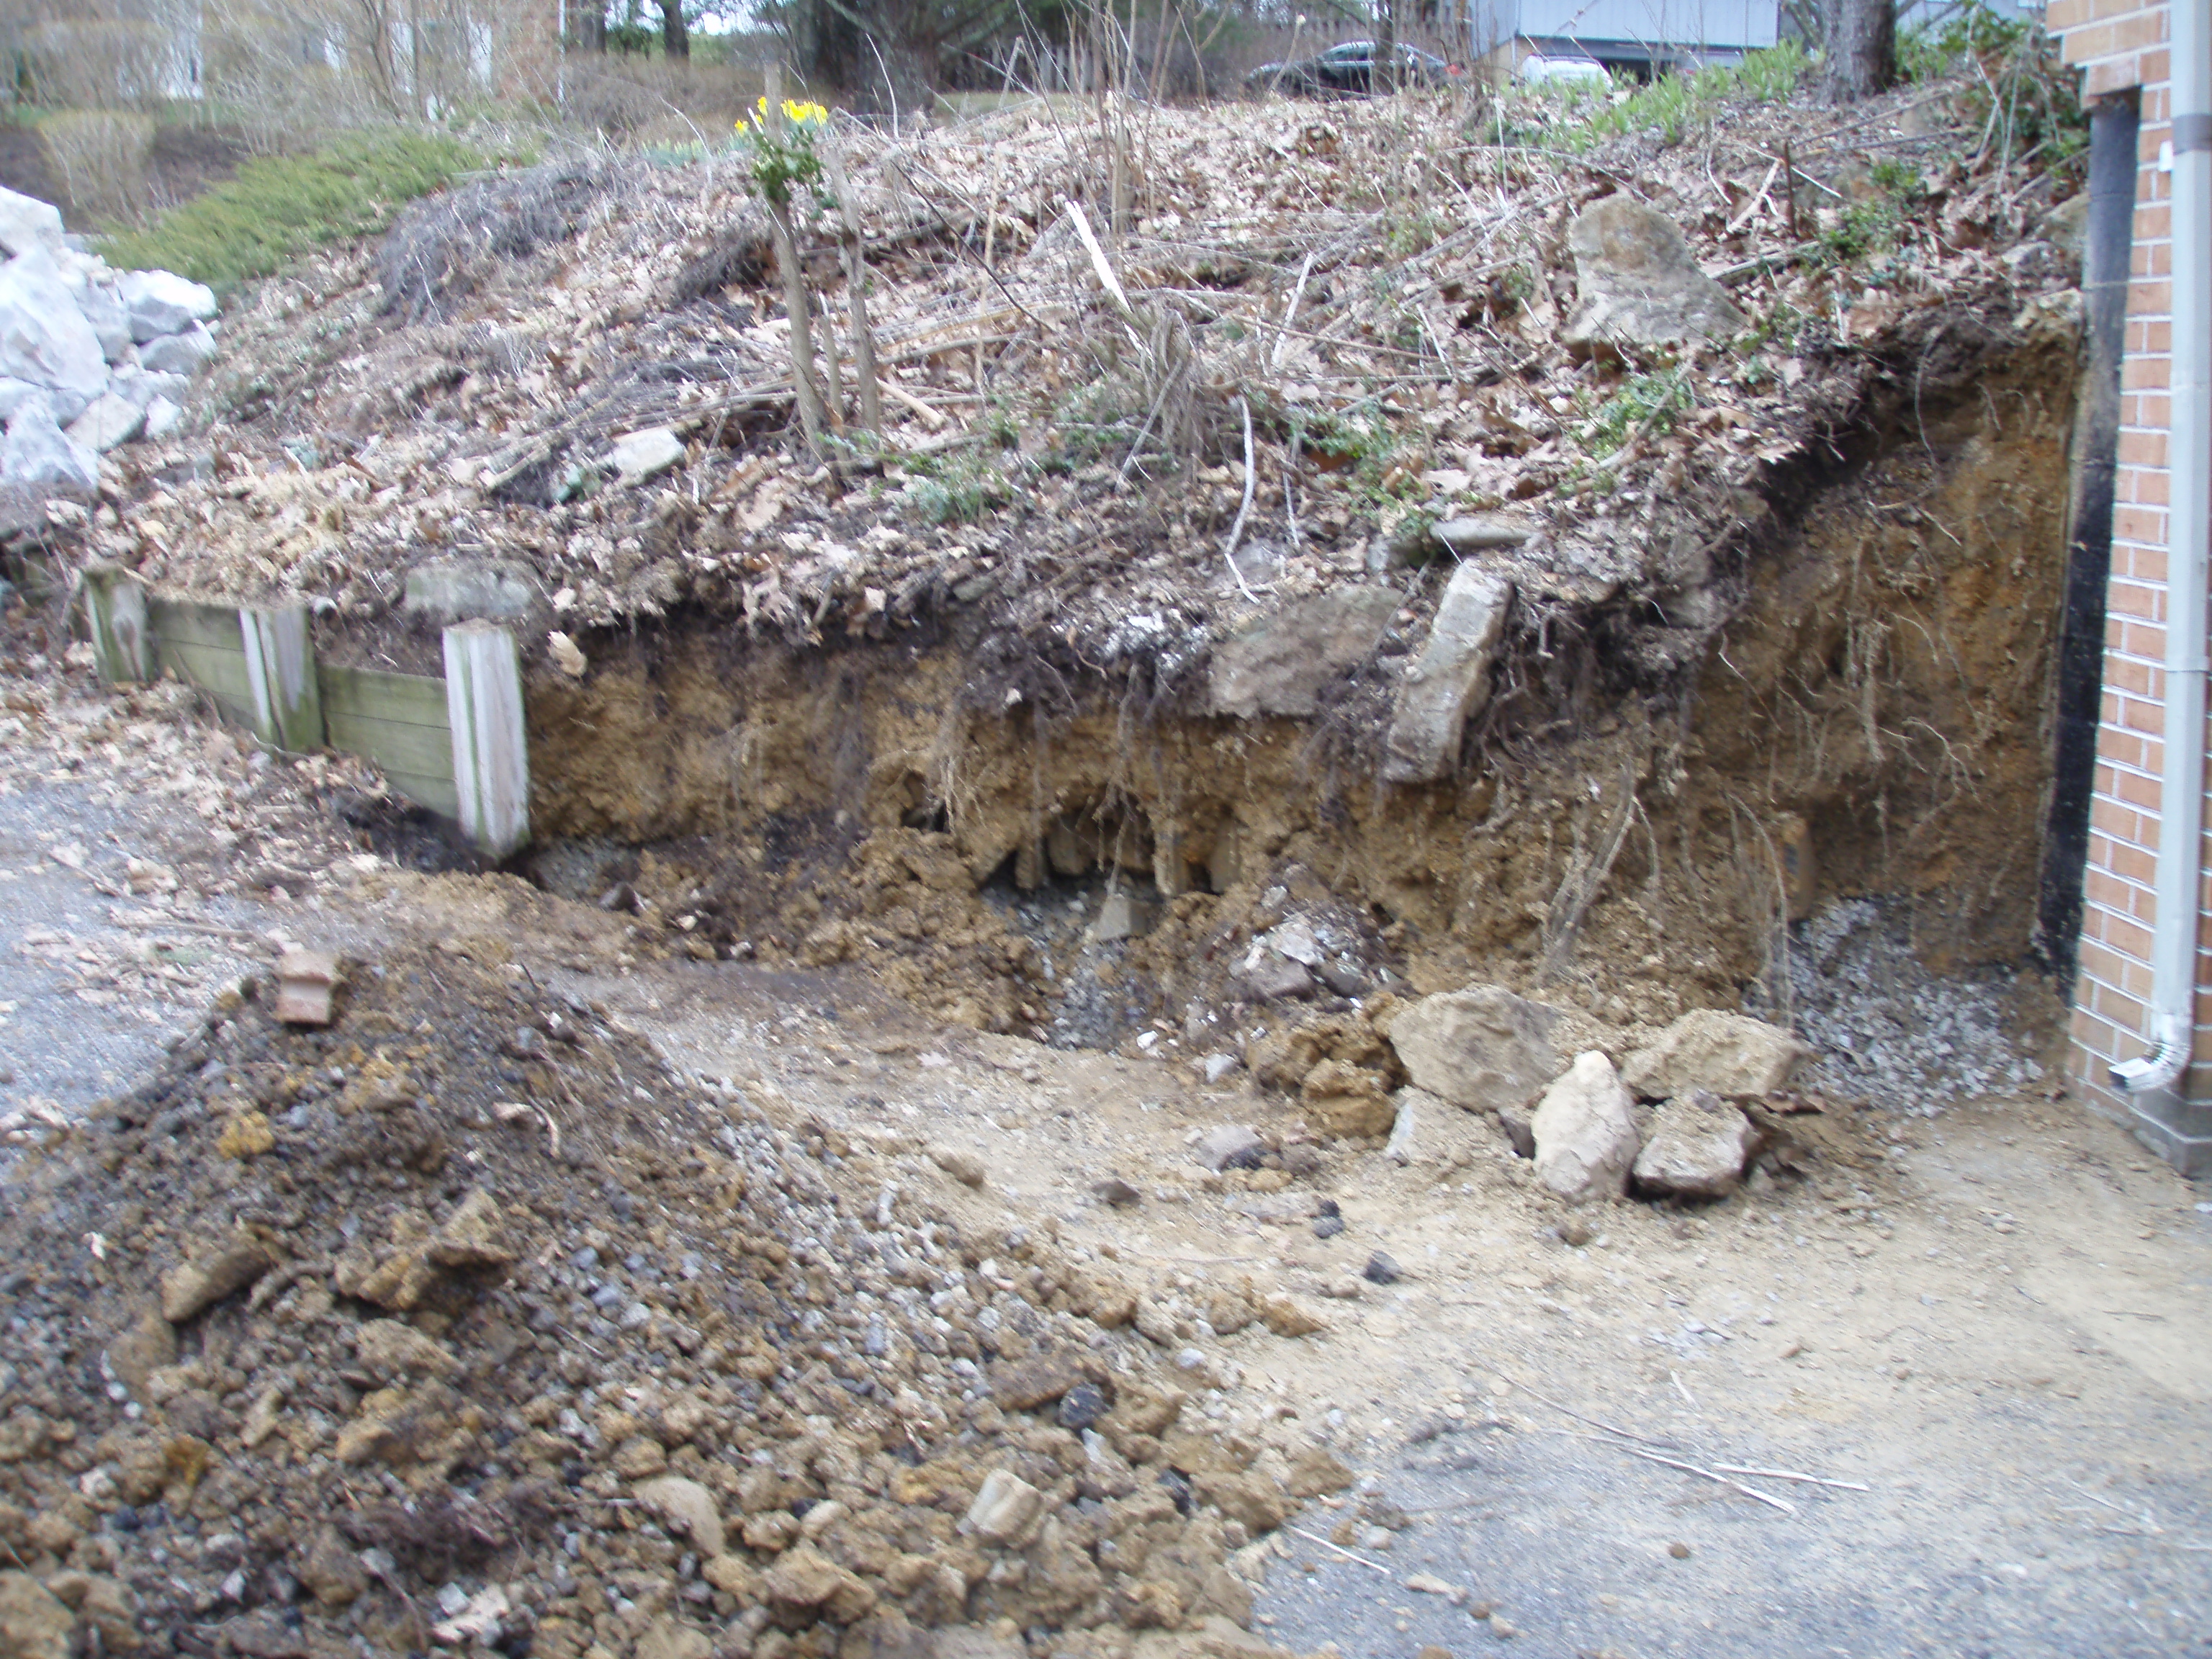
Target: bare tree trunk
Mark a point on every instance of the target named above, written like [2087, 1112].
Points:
[675, 38]
[1386, 48]
[1859, 38]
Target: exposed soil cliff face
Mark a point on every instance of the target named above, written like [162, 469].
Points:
[1871, 719]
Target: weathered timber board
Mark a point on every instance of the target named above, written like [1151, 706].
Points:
[398, 722]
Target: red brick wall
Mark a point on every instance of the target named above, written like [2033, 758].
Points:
[2121, 43]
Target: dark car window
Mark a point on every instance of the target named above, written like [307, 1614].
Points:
[1352, 52]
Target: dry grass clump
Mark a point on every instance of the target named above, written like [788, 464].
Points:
[100, 157]
[442, 246]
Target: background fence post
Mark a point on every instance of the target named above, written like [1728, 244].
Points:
[115, 613]
[491, 744]
[280, 669]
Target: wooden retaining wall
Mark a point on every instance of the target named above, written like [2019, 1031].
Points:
[456, 744]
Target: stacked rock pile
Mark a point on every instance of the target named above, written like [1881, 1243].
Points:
[89, 358]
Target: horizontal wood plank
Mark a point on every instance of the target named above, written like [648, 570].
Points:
[392, 745]
[222, 674]
[437, 793]
[404, 699]
[185, 623]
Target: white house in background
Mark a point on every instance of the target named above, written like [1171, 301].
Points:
[1637, 36]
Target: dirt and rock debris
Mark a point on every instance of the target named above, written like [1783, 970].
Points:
[1185, 972]
[465, 1320]
[1311, 1294]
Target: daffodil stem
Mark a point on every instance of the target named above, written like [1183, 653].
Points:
[856, 295]
[807, 394]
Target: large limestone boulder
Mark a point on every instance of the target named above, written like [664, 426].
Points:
[1585, 1131]
[38, 456]
[108, 419]
[26, 222]
[1732, 1055]
[1482, 1048]
[1640, 285]
[44, 337]
[1450, 681]
[160, 302]
[1282, 664]
[1697, 1148]
[178, 354]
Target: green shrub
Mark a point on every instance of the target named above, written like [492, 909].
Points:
[1675, 105]
[2019, 93]
[280, 206]
[1644, 404]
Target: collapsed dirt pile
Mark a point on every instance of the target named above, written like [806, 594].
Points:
[462, 1320]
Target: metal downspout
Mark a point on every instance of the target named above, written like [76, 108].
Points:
[2155, 1083]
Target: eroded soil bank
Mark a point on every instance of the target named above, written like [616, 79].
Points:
[1633, 819]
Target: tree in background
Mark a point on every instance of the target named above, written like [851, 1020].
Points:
[1858, 42]
[890, 51]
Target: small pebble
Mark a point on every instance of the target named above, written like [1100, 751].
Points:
[1082, 1406]
[1116, 1192]
[1380, 1269]
[1679, 1550]
[1575, 1231]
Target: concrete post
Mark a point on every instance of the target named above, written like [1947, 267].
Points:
[491, 743]
[280, 673]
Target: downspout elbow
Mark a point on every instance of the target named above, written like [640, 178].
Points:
[2161, 1070]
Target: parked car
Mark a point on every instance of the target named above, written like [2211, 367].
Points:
[1348, 70]
[1538, 70]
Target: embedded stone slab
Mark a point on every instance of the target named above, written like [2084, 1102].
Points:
[1640, 285]
[1451, 680]
[1283, 663]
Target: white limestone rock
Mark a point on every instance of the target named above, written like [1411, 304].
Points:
[161, 302]
[107, 422]
[638, 456]
[183, 353]
[27, 223]
[1585, 1132]
[44, 337]
[37, 454]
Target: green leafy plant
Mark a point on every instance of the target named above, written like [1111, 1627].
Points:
[1863, 228]
[2019, 92]
[1676, 105]
[959, 488]
[278, 207]
[1644, 404]
[1361, 440]
[782, 160]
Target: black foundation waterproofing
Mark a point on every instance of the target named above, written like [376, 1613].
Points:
[2107, 246]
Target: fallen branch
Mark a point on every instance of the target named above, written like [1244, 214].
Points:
[1237, 529]
[1709, 1474]
[1786, 1474]
[1372, 1566]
